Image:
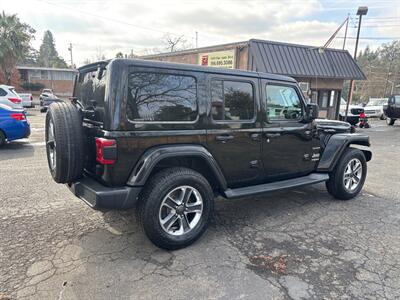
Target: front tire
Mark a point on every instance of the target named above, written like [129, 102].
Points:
[390, 121]
[175, 207]
[348, 177]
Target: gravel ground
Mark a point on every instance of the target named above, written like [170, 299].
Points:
[298, 244]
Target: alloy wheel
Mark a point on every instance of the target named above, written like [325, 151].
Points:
[51, 145]
[181, 210]
[352, 174]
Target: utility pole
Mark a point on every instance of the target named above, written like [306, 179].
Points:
[362, 11]
[345, 32]
[197, 39]
[70, 50]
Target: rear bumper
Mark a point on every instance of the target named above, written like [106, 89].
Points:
[99, 196]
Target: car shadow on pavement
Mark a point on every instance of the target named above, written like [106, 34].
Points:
[17, 149]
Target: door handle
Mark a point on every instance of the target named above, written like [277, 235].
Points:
[272, 135]
[255, 136]
[224, 138]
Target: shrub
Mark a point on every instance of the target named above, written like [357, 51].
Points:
[33, 86]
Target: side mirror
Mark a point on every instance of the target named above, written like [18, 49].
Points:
[312, 111]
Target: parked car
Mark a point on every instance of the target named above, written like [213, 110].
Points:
[353, 115]
[27, 100]
[169, 137]
[13, 124]
[46, 98]
[392, 109]
[9, 96]
[45, 93]
[374, 108]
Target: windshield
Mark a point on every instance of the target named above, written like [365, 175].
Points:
[12, 90]
[90, 91]
[377, 102]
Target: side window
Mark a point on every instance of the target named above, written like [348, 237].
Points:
[283, 103]
[232, 100]
[2, 92]
[397, 100]
[159, 97]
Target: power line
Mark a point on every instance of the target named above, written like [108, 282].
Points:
[113, 20]
[370, 38]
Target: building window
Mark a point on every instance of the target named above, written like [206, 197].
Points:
[157, 97]
[34, 74]
[44, 74]
[232, 100]
[323, 99]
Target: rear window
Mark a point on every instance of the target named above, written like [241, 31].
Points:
[232, 100]
[159, 97]
[90, 91]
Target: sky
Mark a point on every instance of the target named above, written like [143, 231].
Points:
[105, 27]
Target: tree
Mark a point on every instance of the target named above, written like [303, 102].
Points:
[15, 38]
[48, 55]
[175, 43]
[382, 69]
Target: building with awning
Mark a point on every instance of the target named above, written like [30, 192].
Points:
[320, 72]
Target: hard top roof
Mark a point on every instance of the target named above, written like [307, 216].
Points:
[185, 67]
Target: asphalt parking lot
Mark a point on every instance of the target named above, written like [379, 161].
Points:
[300, 244]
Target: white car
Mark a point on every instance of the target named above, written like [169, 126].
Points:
[374, 108]
[353, 115]
[9, 96]
[27, 100]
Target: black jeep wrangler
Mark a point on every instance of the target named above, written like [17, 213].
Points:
[171, 137]
[392, 109]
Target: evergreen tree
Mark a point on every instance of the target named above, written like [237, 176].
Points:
[48, 55]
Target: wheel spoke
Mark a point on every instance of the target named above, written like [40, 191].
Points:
[194, 208]
[169, 220]
[186, 195]
[348, 183]
[185, 223]
[170, 203]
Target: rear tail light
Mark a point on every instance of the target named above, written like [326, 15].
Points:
[31, 98]
[15, 100]
[18, 116]
[106, 151]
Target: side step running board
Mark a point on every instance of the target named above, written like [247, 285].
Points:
[276, 186]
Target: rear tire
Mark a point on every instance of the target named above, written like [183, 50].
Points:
[64, 142]
[171, 225]
[390, 121]
[3, 139]
[345, 183]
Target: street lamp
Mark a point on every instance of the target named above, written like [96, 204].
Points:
[362, 11]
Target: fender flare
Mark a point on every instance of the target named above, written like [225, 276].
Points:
[335, 147]
[151, 157]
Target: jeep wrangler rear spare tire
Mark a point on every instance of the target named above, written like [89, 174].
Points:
[175, 207]
[347, 178]
[64, 142]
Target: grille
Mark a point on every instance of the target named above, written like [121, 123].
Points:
[357, 111]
